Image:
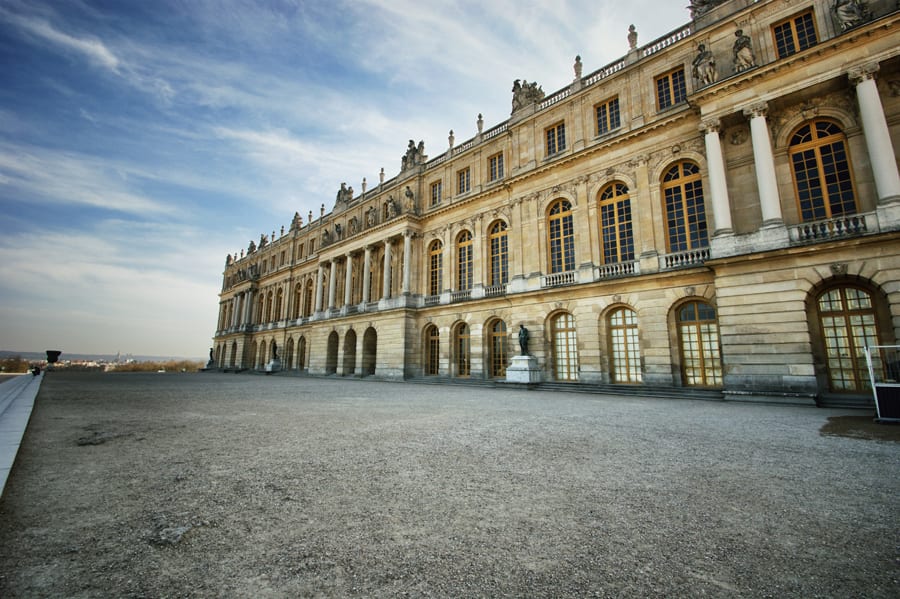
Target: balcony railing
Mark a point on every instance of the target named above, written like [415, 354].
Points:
[432, 300]
[495, 290]
[461, 296]
[558, 279]
[685, 259]
[618, 269]
[832, 228]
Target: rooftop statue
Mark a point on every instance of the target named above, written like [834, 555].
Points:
[344, 194]
[699, 8]
[525, 94]
[415, 155]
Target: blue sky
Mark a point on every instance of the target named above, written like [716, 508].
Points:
[141, 142]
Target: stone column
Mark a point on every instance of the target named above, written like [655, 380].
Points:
[717, 183]
[764, 161]
[386, 281]
[332, 284]
[876, 132]
[348, 279]
[407, 260]
[319, 274]
[367, 274]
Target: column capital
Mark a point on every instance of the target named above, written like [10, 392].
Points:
[863, 72]
[757, 109]
[711, 125]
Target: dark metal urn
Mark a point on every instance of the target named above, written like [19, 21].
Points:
[53, 356]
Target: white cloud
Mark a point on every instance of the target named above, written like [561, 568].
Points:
[121, 286]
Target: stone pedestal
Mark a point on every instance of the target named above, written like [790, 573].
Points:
[523, 369]
[273, 366]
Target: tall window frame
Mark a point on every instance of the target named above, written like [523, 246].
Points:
[671, 88]
[684, 207]
[462, 344]
[435, 267]
[308, 305]
[436, 191]
[556, 138]
[560, 237]
[464, 261]
[463, 180]
[821, 168]
[498, 241]
[495, 167]
[432, 350]
[701, 353]
[498, 344]
[608, 115]
[616, 232]
[624, 346]
[795, 34]
[564, 344]
[848, 322]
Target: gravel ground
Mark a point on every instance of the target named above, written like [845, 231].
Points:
[218, 485]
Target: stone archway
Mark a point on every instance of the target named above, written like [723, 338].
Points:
[331, 355]
[349, 353]
[370, 345]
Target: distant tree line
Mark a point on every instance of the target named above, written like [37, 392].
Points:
[168, 366]
[14, 364]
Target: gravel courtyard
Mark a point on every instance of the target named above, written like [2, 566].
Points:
[219, 485]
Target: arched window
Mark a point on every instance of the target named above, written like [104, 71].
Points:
[298, 302]
[268, 307]
[308, 305]
[624, 349]
[301, 353]
[435, 267]
[560, 237]
[464, 260]
[499, 265]
[821, 168]
[462, 346]
[260, 305]
[698, 332]
[565, 347]
[615, 224]
[279, 301]
[497, 348]
[432, 350]
[848, 322]
[685, 211]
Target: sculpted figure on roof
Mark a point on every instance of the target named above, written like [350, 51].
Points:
[699, 8]
[525, 94]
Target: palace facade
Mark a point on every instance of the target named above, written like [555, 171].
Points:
[718, 209]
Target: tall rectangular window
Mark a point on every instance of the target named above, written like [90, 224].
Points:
[463, 181]
[556, 139]
[608, 116]
[495, 164]
[671, 89]
[795, 34]
[436, 193]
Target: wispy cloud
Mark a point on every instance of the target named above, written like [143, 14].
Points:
[88, 47]
[57, 177]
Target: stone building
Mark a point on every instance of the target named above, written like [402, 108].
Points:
[719, 208]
